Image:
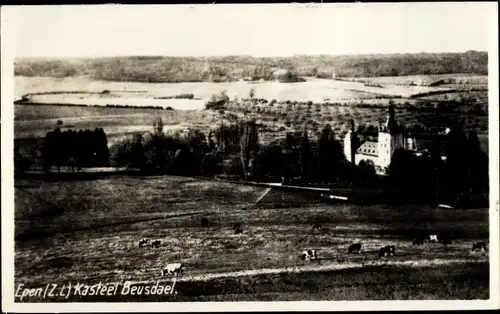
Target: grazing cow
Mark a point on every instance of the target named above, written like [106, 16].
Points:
[433, 238]
[156, 243]
[204, 222]
[316, 227]
[309, 255]
[143, 242]
[237, 226]
[389, 250]
[354, 248]
[172, 269]
[238, 231]
[446, 241]
[479, 246]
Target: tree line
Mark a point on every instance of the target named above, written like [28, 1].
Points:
[235, 150]
[75, 149]
[231, 68]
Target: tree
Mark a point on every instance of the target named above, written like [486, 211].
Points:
[457, 160]
[305, 156]
[330, 154]
[477, 164]
[211, 143]
[198, 147]
[210, 164]
[249, 146]
[158, 126]
[251, 94]
[366, 174]
[271, 162]
[325, 152]
[137, 154]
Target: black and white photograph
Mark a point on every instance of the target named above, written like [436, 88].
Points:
[269, 153]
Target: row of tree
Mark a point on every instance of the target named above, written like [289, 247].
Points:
[77, 149]
[184, 69]
[235, 149]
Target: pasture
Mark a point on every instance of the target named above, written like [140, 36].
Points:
[94, 235]
[36, 120]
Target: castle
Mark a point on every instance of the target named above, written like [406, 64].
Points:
[378, 153]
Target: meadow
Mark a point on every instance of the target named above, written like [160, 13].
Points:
[35, 120]
[93, 236]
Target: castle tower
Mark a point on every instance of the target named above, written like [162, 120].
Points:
[390, 138]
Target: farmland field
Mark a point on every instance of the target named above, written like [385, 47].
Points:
[425, 80]
[95, 234]
[35, 120]
[312, 90]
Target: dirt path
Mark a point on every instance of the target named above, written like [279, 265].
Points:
[316, 268]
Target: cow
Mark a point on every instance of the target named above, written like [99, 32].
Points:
[316, 227]
[433, 238]
[308, 255]
[446, 241]
[238, 231]
[156, 243]
[237, 226]
[354, 248]
[479, 246]
[418, 241]
[172, 269]
[389, 250]
[143, 242]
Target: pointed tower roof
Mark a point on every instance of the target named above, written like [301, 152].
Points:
[391, 125]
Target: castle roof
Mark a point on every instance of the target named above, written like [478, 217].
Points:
[391, 125]
[368, 148]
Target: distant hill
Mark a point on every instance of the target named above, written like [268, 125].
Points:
[230, 68]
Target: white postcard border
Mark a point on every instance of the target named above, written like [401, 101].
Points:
[8, 305]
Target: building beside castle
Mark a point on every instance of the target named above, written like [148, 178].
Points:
[379, 153]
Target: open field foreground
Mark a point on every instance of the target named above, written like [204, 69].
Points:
[88, 232]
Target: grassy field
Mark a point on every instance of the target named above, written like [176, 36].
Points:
[94, 237]
[36, 120]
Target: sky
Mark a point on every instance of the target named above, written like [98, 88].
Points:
[258, 30]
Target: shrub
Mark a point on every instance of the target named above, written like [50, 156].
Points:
[204, 222]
